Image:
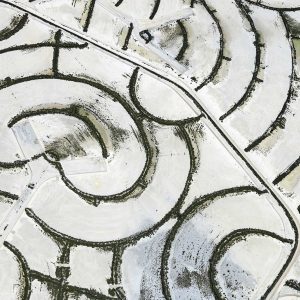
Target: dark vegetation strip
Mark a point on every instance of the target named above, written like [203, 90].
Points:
[288, 171]
[185, 43]
[134, 98]
[225, 244]
[294, 284]
[155, 9]
[219, 59]
[111, 245]
[201, 202]
[74, 111]
[280, 119]
[129, 32]
[90, 10]
[215, 125]
[16, 25]
[24, 270]
[119, 3]
[254, 81]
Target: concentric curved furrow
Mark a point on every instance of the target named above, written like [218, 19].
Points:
[18, 51]
[211, 164]
[10, 274]
[159, 101]
[282, 140]
[18, 270]
[288, 180]
[16, 24]
[45, 256]
[194, 41]
[56, 283]
[281, 135]
[41, 258]
[121, 25]
[239, 44]
[106, 223]
[104, 120]
[208, 37]
[200, 247]
[136, 160]
[168, 40]
[227, 278]
[291, 287]
[264, 97]
[129, 181]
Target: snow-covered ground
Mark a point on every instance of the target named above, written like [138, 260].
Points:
[149, 149]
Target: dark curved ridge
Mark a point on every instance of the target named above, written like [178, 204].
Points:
[134, 238]
[200, 202]
[25, 269]
[119, 3]
[57, 38]
[155, 9]
[274, 8]
[227, 242]
[9, 195]
[73, 111]
[18, 163]
[185, 43]
[24, 47]
[90, 10]
[129, 32]
[136, 102]
[219, 59]
[280, 119]
[16, 25]
[116, 265]
[193, 99]
[90, 198]
[36, 275]
[294, 284]
[15, 164]
[254, 78]
[286, 172]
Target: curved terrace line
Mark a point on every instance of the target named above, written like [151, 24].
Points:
[75, 111]
[149, 149]
[219, 59]
[225, 244]
[254, 79]
[155, 9]
[131, 240]
[25, 269]
[185, 43]
[17, 23]
[280, 119]
[136, 102]
[209, 117]
[200, 202]
[287, 171]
